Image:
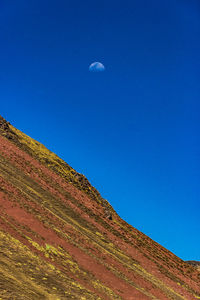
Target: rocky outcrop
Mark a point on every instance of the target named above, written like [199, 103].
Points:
[195, 264]
[5, 129]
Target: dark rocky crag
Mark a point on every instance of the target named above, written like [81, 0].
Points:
[195, 264]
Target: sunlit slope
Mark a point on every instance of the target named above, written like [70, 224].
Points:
[59, 239]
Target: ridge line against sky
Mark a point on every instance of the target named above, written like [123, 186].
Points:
[133, 129]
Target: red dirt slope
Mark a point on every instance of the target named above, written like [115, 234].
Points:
[59, 239]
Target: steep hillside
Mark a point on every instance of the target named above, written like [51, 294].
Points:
[59, 239]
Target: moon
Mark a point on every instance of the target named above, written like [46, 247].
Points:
[96, 67]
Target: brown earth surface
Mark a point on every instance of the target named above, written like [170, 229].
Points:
[195, 264]
[59, 239]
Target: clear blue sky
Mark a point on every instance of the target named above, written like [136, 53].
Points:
[134, 129]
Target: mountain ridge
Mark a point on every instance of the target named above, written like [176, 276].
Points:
[72, 243]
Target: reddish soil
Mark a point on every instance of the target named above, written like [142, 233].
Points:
[36, 202]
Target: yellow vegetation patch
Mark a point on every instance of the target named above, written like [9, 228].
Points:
[98, 285]
[25, 274]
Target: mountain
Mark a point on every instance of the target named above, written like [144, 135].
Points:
[59, 239]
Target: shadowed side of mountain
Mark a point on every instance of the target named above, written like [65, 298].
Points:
[61, 240]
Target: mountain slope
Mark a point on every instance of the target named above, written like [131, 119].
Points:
[59, 239]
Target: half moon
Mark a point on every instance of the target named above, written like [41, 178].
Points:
[96, 67]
